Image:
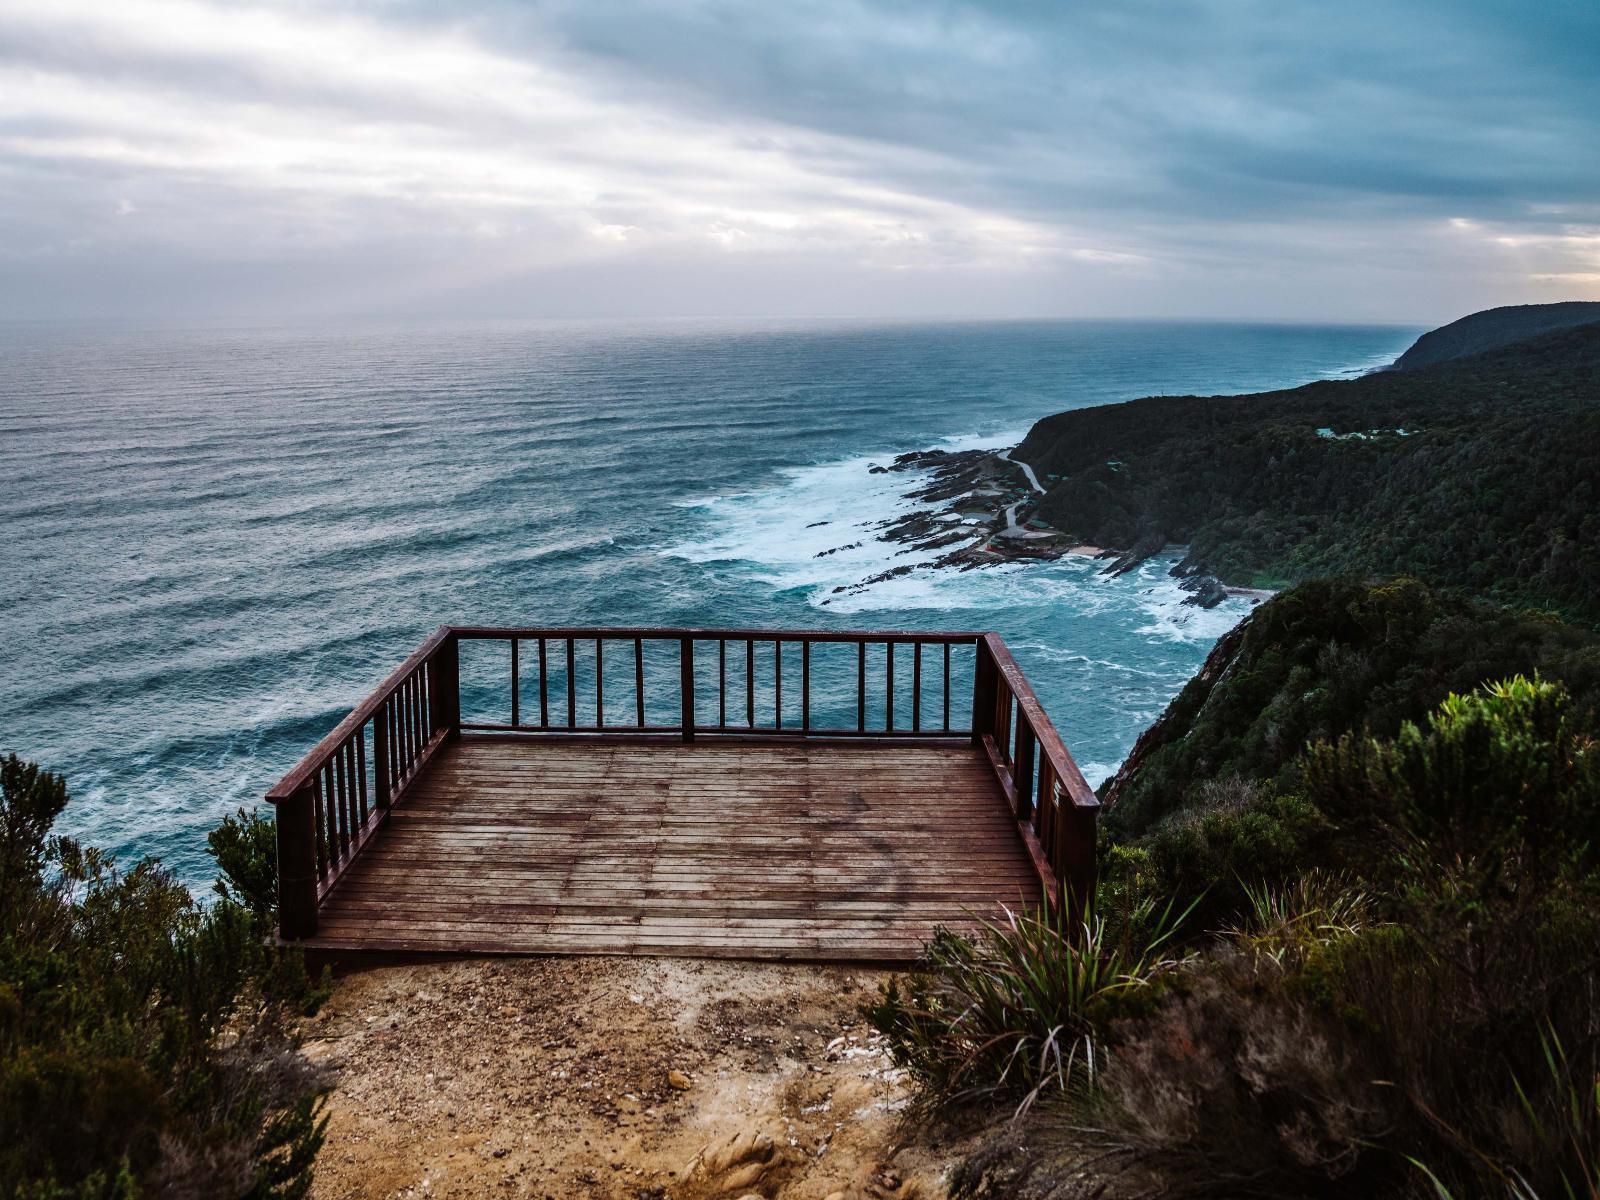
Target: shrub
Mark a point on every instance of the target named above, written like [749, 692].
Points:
[1240, 834]
[246, 849]
[1424, 1021]
[142, 1043]
[1018, 1007]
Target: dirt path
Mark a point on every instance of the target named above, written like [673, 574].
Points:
[644, 1079]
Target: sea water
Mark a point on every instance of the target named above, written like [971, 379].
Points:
[213, 542]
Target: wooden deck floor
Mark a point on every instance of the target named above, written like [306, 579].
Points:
[790, 851]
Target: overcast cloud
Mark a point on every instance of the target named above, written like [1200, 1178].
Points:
[1359, 161]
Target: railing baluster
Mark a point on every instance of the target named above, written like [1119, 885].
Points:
[380, 757]
[572, 686]
[1047, 808]
[947, 687]
[326, 801]
[544, 687]
[323, 841]
[419, 716]
[413, 723]
[722, 683]
[888, 686]
[686, 686]
[424, 710]
[403, 719]
[331, 798]
[516, 697]
[1022, 772]
[599, 683]
[347, 799]
[777, 683]
[361, 771]
[861, 687]
[916, 687]
[638, 680]
[805, 685]
[750, 682]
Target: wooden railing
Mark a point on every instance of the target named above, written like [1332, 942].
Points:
[1056, 810]
[680, 684]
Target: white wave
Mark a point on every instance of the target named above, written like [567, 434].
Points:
[1096, 773]
[818, 530]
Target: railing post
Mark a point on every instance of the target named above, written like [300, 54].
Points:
[381, 783]
[444, 687]
[1022, 770]
[297, 864]
[1075, 857]
[985, 685]
[686, 685]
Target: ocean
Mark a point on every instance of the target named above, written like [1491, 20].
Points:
[215, 541]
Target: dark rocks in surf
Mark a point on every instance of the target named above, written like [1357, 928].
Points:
[1205, 591]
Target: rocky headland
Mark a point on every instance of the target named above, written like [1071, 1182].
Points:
[980, 509]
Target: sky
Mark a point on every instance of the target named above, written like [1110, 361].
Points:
[1364, 161]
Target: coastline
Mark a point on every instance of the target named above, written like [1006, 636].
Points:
[980, 510]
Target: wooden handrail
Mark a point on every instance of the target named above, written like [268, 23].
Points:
[1067, 772]
[332, 803]
[360, 715]
[873, 636]
[1056, 810]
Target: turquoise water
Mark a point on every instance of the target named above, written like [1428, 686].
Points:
[215, 542]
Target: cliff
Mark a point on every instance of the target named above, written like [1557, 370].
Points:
[1480, 473]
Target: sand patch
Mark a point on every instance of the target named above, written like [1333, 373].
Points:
[643, 1079]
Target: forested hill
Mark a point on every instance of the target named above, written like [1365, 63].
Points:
[1493, 328]
[1481, 474]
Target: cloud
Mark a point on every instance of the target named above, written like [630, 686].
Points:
[1147, 156]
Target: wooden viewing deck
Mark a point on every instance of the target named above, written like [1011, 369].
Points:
[485, 799]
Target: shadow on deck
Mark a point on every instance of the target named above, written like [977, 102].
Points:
[840, 819]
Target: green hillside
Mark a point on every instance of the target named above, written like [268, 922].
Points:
[1480, 474]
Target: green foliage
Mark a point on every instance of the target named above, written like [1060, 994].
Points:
[245, 846]
[1435, 1006]
[1019, 1007]
[1239, 834]
[1409, 976]
[1496, 800]
[1327, 658]
[141, 1046]
[30, 801]
[1493, 491]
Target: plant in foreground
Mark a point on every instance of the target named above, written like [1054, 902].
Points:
[1019, 1006]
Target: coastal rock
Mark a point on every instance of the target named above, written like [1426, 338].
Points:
[1147, 547]
[678, 1081]
[1205, 591]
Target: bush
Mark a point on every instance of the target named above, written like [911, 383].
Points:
[1239, 834]
[1423, 1023]
[143, 1049]
[1326, 659]
[246, 849]
[1018, 1007]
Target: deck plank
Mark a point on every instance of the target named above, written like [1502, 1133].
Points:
[850, 852]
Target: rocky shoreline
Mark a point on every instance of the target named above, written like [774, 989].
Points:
[980, 510]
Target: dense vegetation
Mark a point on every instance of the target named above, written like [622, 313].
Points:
[1493, 486]
[1347, 940]
[144, 1049]
[1327, 658]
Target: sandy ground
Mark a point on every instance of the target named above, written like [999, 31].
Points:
[646, 1079]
